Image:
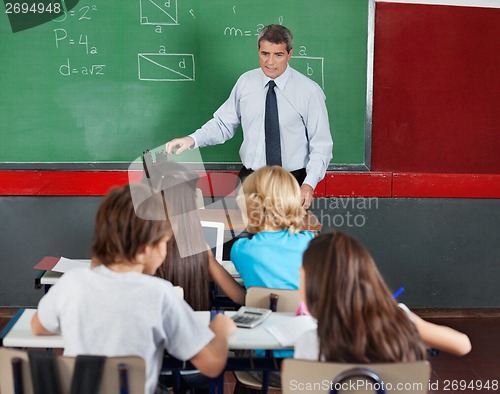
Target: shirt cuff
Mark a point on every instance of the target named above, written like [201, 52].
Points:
[310, 181]
[195, 146]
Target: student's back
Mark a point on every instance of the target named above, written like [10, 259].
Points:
[270, 203]
[270, 258]
[102, 312]
[117, 308]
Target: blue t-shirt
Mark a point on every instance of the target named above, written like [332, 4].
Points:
[271, 258]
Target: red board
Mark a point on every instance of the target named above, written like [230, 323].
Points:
[436, 101]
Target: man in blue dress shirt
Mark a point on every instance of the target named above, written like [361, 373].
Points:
[306, 142]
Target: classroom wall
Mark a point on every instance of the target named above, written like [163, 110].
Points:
[444, 251]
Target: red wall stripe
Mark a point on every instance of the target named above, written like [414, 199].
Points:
[335, 184]
[369, 184]
[446, 185]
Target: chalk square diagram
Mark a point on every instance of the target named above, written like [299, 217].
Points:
[311, 67]
[159, 12]
[166, 67]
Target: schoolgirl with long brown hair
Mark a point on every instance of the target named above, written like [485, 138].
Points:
[358, 319]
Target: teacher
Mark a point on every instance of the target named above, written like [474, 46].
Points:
[282, 113]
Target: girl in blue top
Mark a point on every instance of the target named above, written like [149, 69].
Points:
[271, 208]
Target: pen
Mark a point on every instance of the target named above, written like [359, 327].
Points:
[398, 292]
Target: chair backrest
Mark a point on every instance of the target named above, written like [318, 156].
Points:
[288, 300]
[110, 383]
[321, 377]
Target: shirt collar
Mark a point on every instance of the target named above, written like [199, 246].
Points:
[280, 81]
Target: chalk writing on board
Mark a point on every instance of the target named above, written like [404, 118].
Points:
[238, 32]
[61, 36]
[158, 12]
[84, 13]
[94, 69]
[234, 31]
[65, 39]
[166, 67]
[313, 67]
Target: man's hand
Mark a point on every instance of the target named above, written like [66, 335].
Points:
[179, 144]
[306, 195]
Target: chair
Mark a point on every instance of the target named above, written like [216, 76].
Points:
[321, 377]
[288, 301]
[120, 375]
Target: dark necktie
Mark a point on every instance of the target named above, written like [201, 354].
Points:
[272, 128]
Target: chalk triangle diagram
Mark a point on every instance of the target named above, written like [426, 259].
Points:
[156, 12]
[166, 67]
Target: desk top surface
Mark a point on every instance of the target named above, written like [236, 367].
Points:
[255, 338]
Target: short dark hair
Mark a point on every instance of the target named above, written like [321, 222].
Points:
[121, 228]
[276, 34]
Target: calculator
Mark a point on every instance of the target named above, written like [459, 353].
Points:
[249, 317]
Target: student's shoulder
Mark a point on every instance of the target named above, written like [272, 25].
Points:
[72, 280]
[242, 247]
[406, 310]
[76, 274]
[240, 244]
[158, 289]
[243, 238]
[156, 282]
[304, 235]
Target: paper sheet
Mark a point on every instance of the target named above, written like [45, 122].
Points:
[64, 264]
[287, 333]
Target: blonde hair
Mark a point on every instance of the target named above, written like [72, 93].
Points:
[272, 199]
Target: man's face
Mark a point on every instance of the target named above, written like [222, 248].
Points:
[273, 58]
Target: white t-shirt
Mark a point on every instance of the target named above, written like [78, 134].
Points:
[307, 346]
[102, 312]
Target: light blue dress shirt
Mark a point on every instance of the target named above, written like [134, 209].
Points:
[306, 141]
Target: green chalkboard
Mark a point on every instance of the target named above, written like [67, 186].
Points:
[109, 79]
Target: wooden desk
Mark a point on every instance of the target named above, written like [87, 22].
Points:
[18, 332]
[233, 221]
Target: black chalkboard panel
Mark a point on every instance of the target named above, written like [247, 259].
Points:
[109, 79]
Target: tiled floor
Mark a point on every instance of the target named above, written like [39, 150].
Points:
[481, 366]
